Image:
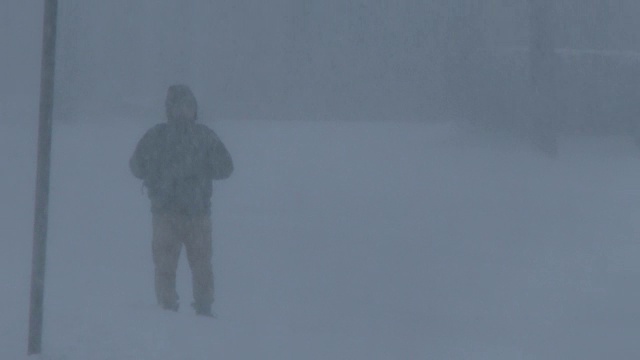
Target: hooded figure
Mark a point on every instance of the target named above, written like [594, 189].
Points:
[177, 162]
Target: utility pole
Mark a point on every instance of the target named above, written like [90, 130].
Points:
[47, 76]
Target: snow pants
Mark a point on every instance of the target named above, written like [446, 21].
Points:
[170, 233]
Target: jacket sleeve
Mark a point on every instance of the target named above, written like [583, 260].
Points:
[221, 163]
[139, 162]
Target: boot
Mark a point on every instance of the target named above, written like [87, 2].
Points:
[202, 309]
[170, 306]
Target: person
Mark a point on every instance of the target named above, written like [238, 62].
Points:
[178, 161]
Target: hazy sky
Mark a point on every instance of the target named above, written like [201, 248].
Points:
[292, 58]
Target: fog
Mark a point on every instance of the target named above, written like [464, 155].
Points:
[414, 179]
[340, 60]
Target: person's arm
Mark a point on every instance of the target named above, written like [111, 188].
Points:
[221, 163]
[137, 165]
[139, 162]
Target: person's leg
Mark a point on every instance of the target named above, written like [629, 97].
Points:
[166, 247]
[199, 252]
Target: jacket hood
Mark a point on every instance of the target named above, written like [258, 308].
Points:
[180, 96]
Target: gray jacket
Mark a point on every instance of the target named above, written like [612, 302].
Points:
[178, 163]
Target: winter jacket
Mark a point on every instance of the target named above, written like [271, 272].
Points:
[178, 163]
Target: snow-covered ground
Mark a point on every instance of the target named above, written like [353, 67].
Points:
[336, 241]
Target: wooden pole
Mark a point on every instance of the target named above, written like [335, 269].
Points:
[42, 176]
